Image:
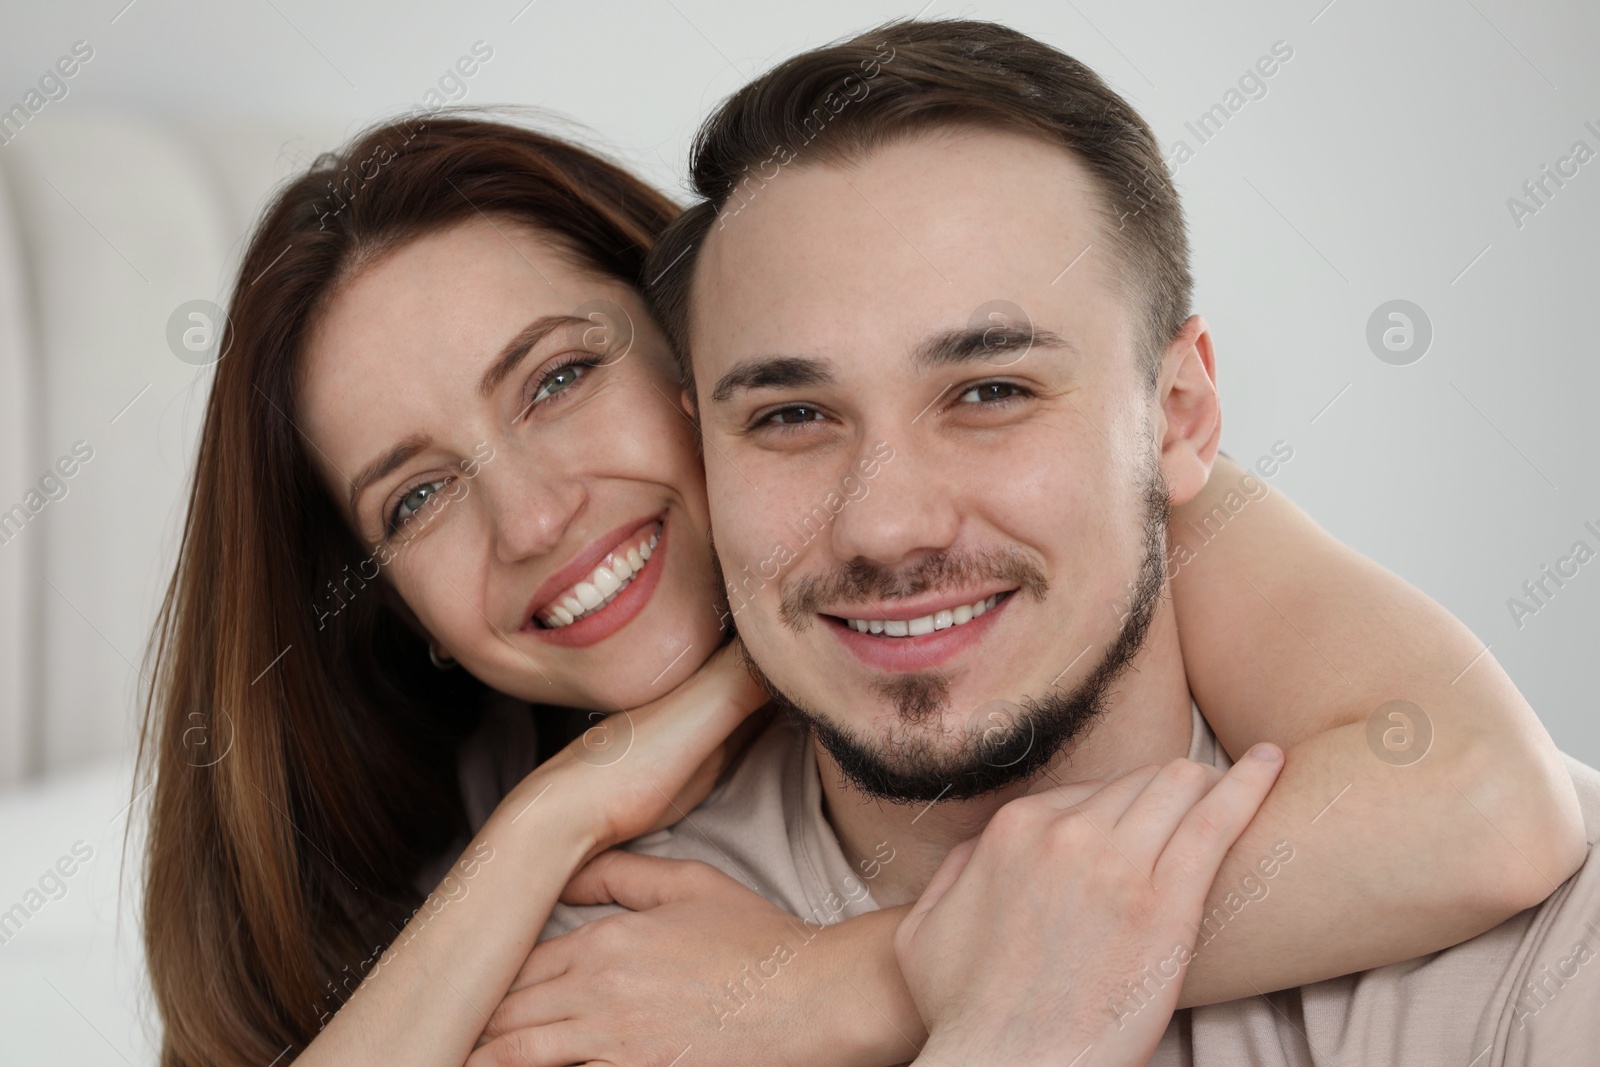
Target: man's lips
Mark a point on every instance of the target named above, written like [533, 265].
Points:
[926, 606]
[926, 647]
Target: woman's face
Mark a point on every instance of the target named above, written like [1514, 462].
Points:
[502, 431]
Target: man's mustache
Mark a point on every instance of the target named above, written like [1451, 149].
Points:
[861, 580]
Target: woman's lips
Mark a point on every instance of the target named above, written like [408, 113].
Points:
[583, 564]
[616, 607]
[597, 589]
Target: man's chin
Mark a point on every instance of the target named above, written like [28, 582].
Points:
[945, 754]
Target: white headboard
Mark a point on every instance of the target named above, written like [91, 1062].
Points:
[107, 225]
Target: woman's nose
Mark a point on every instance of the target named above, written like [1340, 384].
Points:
[530, 511]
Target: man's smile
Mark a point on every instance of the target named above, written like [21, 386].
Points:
[892, 639]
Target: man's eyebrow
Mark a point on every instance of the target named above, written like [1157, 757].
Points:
[1001, 344]
[518, 347]
[772, 372]
[385, 465]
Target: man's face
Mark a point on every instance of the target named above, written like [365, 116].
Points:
[886, 449]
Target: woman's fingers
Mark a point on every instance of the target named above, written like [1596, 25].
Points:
[528, 1006]
[637, 882]
[556, 1045]
[687, 723]
[548, 961]
[1210, 828]
[716, 698]
[646, 766]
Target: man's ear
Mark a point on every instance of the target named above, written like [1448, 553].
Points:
[1189, 416]
[687, 403]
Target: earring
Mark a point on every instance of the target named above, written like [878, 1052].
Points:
[439, 662]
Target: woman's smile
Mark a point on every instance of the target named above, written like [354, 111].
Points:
[603, 588]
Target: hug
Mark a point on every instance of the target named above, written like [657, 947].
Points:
[559, 784]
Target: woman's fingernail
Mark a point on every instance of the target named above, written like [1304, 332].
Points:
[1268, 751]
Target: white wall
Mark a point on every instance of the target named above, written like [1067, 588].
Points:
[1378, 166]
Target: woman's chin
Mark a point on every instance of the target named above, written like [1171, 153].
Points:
[621, 687]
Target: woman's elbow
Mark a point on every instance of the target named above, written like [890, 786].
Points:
[1530, 830]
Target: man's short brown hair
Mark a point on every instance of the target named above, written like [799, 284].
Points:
[838, 103]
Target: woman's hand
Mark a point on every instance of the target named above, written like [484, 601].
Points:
[426, 999]
[700, 961]
[1060, 934]
[640, 770]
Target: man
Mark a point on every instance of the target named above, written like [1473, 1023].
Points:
[900, 275]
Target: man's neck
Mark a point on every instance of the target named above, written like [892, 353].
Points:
[1147, 720]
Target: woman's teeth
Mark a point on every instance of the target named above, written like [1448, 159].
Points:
[600, 588]
[927, 624]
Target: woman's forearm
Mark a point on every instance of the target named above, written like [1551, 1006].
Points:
[429, 996]
[1409, 833]
[1352, 863]
[873, 1020]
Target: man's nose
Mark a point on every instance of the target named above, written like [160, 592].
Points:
[906, 508]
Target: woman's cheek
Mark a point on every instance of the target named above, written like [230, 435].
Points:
[435, 589]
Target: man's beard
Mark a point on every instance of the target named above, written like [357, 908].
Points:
[1005, 743]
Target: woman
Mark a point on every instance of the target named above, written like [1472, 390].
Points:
[470, 290]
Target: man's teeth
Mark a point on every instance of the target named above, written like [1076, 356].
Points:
[601, 587]
[927, 624]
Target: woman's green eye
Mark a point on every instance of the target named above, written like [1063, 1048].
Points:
[989, 392]
[560, 380]
[414, 501]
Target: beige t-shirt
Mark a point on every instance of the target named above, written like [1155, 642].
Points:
[1524, 994]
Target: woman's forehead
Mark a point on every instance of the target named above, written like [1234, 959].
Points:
[442, 301]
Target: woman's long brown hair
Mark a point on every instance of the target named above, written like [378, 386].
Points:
[300, 745]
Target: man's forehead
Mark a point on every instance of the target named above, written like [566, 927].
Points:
[917, 232]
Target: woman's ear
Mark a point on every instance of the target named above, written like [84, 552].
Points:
[397, 604]
[1189, 413]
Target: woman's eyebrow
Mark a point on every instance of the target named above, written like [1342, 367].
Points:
[385, 465]
[505, 361]
[516, 348]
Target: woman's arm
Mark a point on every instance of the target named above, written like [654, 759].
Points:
[1291, 637]
[430, 994]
